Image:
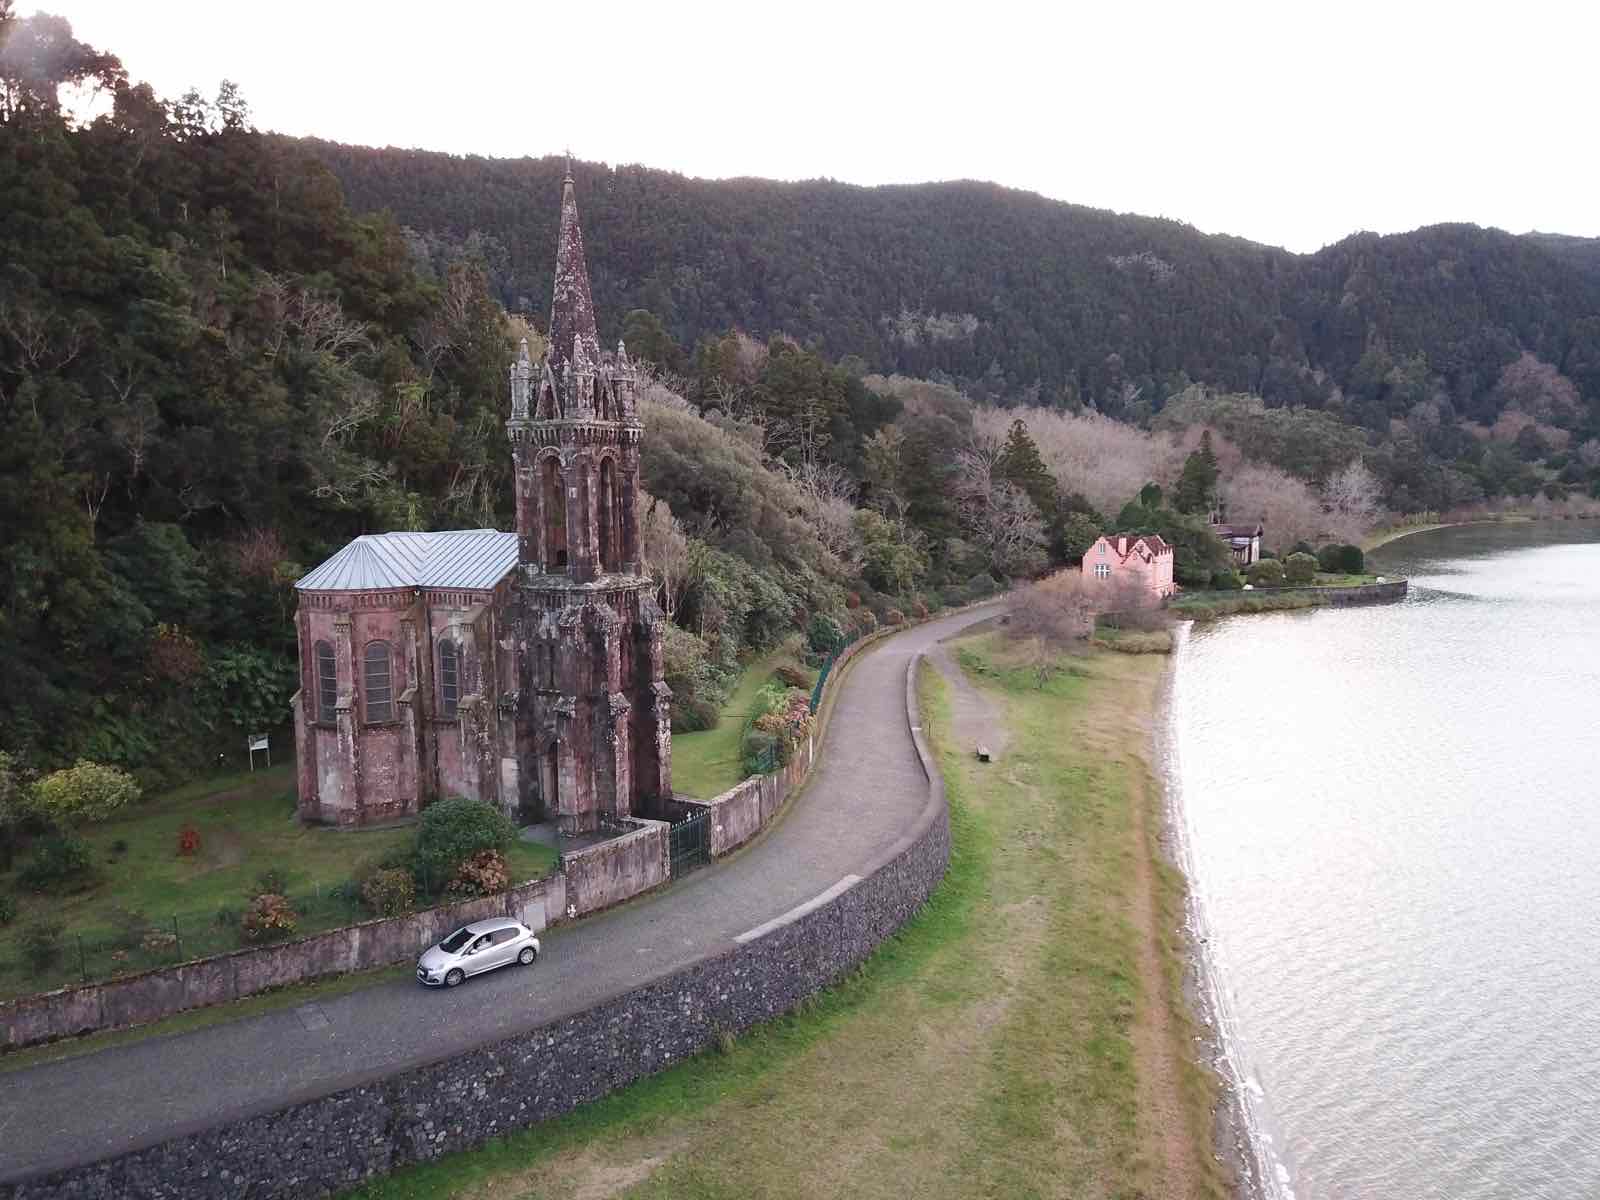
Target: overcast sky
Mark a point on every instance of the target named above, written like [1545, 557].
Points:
[1286, 122]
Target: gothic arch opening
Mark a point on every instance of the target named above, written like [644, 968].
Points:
[550, 779]
[610, 517]
[553, 504]
[327, 683]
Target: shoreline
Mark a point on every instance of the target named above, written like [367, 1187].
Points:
[1235, 1139]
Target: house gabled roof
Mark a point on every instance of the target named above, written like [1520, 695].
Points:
[1125, 544]
[456, 558]
[1238, 531]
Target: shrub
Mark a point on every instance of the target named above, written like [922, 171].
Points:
[131, 925]
[981, 586]
[390, 891]
[348, 891]
[694, 714]
[1226, 581]
[272, 881]
[119, 847]
[8, 908]
[823, 633]
[1343, 559]
[59, 861]
[759, 751]
[853, 600]
[159, 942]
[226, 917]
[1266, 573]
[792, 675]
[864, 621]
[40, 944]
[894, 617]
[484, 874]
[188, 841]
[919, 610]
[453, 830]
[84, 793]
[1302, 548]
[269, 916]
[1300, 567]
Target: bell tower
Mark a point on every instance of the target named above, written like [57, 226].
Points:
[594, 733]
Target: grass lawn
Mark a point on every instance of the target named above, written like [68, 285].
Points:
[1324, 579]
[706, 763]
[247, 827]
[1022, 1036]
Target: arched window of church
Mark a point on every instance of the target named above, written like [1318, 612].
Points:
[449, 678]
[609, 519]
[327, 682]
[379, 689]
[554, 503]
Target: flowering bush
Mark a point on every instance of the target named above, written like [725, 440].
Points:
[894, 616]
[919, 610]
[864, 621]
[484, 874]
[84, 792]
[389, 891]
[853, 600]
[782, 720]
[188, 841]
[269, 916]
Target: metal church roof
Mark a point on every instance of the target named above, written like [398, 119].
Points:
[456, 558]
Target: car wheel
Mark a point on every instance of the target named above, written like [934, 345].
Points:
[527, 956]
[454, 977]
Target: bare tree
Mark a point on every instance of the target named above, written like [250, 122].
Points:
[1353, 496]
[667, 553]
[998, 515]
[1051, 618]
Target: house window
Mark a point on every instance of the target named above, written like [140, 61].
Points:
[327, 682]
[1102, 570]
[449, 678]
[1102, 549]
[379, 694]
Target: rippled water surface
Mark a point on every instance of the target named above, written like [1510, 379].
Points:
[1393, 821]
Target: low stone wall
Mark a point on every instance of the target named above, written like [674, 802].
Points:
[152, 995]
[1339, 597]
[333, 1142]
[612, 871]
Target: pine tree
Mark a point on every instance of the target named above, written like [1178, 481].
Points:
[1197, 486]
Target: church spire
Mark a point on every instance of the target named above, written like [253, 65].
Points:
[572, 328]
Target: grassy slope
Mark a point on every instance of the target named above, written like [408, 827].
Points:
[247, 826]
[707, 763]
[990, 1049]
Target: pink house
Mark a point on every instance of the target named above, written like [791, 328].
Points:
[1142, 558]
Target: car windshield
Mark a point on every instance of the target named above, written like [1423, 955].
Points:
[455, 941]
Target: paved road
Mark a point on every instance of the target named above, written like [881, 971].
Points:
[864, 792]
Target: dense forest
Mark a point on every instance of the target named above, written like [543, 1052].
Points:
[863, 404]
[1424, 341]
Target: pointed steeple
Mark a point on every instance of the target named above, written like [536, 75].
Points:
[572, 308]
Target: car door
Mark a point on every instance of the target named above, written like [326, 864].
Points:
[480, 955]
[504, 946]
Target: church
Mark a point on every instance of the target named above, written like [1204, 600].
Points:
[521, 669]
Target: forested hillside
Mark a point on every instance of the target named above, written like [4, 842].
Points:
[1018, 297]
[214, 371]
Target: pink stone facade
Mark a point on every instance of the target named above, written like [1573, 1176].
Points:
[540, 689]
[1142, 560]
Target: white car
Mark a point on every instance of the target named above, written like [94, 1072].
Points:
[476, 948]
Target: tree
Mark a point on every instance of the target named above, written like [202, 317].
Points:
[1197, 485]
[84, 793]
[647, 340]
[1300, 568]
[1266, 573]
[1352, 494]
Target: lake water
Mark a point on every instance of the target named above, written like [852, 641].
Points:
[1392, 822]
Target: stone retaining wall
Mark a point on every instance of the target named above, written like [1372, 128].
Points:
[610, 872]
[330, 1143]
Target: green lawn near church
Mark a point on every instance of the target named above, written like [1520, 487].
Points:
[145, 904]
[707, 762]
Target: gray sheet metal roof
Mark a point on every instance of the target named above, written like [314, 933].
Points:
[456, 558]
